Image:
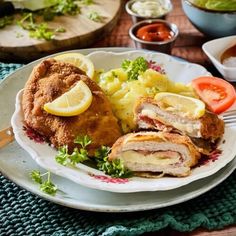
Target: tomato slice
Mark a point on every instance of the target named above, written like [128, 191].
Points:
[217, 93]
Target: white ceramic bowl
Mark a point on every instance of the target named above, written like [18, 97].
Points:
[214, 49]
[167, 4]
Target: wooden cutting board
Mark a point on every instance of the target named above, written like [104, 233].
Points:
[80, 33]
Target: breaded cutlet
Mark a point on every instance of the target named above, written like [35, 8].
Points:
[49, 80]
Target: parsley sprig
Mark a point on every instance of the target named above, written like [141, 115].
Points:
[134, 68]
[77, 156]
[45, 185]
[84, 141]
[94, 16]
[113, 168]
[36, 30]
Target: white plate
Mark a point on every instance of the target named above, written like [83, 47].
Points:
[16, 164]
[44, 155]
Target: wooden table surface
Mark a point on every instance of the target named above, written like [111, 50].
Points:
[187, 46]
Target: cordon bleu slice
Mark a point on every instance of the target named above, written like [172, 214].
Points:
[156, 152]
[149, 115]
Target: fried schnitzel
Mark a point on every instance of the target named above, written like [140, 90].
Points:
[49, 80]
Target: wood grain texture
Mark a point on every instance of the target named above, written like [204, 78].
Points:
[80, 33]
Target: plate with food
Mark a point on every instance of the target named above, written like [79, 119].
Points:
[16, 164]
[125, 122]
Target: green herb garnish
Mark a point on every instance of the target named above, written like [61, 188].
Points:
[6, 20]
[94, 16]
[45, 185]
[77, 156]
[38, 31]
[65, 7]
[134, 68]
[86, 2]
[113, 168]
[32, 21]
[84, 141]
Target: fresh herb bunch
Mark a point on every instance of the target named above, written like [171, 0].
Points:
[113, 168]
[45, 185]
[134, 68]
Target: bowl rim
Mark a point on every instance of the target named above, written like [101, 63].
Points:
[209, 10]
[149, 21]
[212, 57]
[130, 12]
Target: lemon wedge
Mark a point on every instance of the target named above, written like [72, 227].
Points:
[72, 103]
[79, 60]
[179, 104]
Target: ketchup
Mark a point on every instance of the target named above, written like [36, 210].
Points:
[154, 32]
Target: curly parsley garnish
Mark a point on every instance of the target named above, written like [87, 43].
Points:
[134, 68]
[113, 168]
[84, 141]
[45, 185]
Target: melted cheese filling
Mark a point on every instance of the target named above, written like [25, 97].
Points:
[153, 158]
[189, 127]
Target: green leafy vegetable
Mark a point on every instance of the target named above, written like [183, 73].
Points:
[94, 16]
[45, 185]
[60, 30]
[66, 7]
[87, 2]
[36, 176]
[134, 68]
[32, 20]
[6, 20]
[113, 168]
[77, 156]
[222, 5]
[83, 140]
[38, 31]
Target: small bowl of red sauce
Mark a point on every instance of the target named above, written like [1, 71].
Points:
[158, 35]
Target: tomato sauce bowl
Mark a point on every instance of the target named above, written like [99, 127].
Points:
[157, 35]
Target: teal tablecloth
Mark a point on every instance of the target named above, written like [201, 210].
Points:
[22, 213]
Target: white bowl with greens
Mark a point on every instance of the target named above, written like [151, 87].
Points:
[213, 18]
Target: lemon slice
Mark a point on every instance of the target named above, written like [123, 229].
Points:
[179, 104]
[78, 60]
[72, 103]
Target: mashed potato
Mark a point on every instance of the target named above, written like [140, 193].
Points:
[123, 93]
